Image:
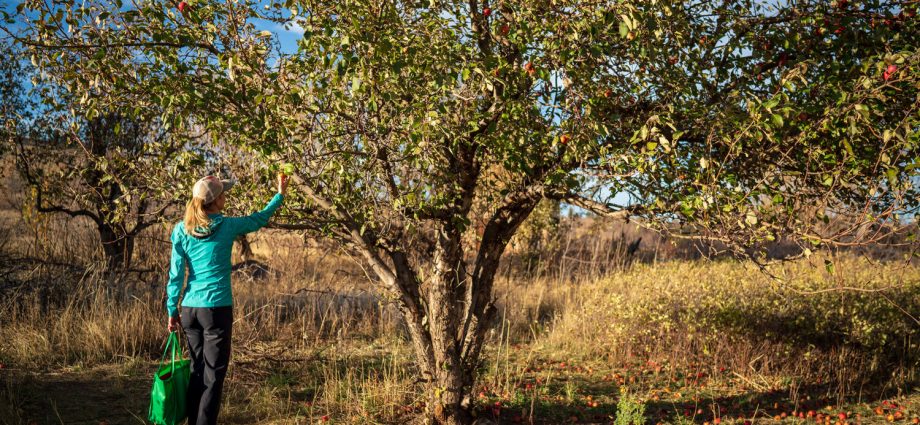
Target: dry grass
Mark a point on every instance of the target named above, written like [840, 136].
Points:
[312, 338]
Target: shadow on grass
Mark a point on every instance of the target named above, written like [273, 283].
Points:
[749, 406]
[101, 396]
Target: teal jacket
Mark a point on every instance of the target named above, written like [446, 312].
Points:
[208, 259]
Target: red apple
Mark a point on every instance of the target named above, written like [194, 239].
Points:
[608, 93]
[486, 11]
[564, 139]
[325, 418]
[842, 416]
[182, 6]
[504, 29]
[889, 71]
[529, 68]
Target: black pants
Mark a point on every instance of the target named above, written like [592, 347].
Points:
[209, 330]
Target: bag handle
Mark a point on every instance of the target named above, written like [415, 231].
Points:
[172, 341]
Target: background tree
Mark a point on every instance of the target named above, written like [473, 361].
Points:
[103, 172]
[753, 121]
[120, 172]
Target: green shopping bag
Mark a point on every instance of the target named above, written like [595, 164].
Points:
[170, 384]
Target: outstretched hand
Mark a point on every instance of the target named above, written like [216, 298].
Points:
[282, 183]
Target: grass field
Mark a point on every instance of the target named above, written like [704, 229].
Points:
[675, 341]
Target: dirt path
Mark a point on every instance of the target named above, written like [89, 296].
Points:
[105, 395]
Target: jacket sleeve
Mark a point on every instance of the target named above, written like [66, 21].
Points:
[177, 265]
[256, 221]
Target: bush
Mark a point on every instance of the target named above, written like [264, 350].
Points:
[630, 410]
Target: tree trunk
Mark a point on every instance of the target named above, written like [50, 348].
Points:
[117, 246]
[445, 308]
[450, 396]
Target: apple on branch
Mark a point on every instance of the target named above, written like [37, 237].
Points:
[889, 71]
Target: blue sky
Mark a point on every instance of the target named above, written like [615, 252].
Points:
[287, 37]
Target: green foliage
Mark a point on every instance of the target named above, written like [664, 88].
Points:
[736, 116]
[630, 410]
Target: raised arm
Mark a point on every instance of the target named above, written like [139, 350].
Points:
[256, 221]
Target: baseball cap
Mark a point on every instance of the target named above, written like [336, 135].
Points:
[210, 187]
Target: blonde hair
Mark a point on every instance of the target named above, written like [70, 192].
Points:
[195, 215]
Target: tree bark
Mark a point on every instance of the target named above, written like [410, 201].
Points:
[445, 306]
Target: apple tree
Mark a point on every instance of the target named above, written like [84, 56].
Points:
[750, 120]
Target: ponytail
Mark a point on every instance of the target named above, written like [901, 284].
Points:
[195, 215]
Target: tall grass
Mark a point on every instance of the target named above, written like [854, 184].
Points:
[313, 338]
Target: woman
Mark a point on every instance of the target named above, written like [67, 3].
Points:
[203, 242]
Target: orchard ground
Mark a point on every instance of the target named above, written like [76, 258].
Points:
[673, 340]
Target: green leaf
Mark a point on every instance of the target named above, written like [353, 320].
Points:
[777, 120]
